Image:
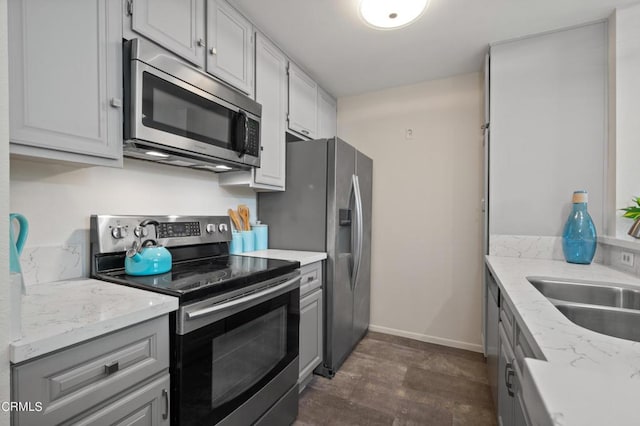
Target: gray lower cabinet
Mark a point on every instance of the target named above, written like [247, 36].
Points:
[120, 376]
[513, 348]
[311, 311]
[65, 80]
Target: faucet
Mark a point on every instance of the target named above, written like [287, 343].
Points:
[634, 231]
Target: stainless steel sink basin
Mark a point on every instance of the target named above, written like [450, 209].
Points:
[611, 309]
[609, 321]
[589, 292]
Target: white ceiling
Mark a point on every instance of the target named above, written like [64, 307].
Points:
[346, 57]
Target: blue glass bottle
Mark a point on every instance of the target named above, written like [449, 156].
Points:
[579, 236]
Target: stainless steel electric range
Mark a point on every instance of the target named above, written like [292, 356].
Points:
[234, 343]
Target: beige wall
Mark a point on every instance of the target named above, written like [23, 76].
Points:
[427, 222]
[4, 215]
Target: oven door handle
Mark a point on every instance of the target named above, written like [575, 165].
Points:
[265, 294]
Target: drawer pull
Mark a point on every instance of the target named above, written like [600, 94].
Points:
[111, 368]
[309, 279]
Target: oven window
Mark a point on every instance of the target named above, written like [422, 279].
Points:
[245, 355]
[173, 109]
[222, 365]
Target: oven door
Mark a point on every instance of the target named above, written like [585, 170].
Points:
[241, 358]
[168, 112]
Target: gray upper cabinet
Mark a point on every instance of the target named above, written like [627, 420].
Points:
[230, 47]
[303, 95]
[327, 115]
[65, 80]
[176, 25]
[271, 93]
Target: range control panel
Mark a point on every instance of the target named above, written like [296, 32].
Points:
[110, 234]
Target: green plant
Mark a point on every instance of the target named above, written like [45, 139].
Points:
[632, 212]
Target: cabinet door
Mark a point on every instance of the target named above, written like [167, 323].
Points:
[65, 79]
[310, 333]
[230, 50]
[176, 25]
[271, 93]
[303, 93]
[506, 380]
[147, 405]
[327, 110]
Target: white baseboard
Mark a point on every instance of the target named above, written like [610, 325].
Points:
[429, 339]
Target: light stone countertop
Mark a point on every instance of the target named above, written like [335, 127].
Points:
[304, 257]
[60, 314]
[582, 367]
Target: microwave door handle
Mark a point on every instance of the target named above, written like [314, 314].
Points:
[242, 133]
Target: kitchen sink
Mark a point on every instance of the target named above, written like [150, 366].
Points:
[607, 308]
[588, 292]
[610, 321]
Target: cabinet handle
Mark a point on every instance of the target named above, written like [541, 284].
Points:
[509, 372]
[200, 42]
[111, 368]
[306, 132]
[116, 103]
[165, 395]
[213, 51]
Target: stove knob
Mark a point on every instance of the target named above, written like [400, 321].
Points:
[140, 231]
[211, 228]
[222, 227]
[119, 232]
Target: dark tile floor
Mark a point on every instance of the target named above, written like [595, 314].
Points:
[390, 380]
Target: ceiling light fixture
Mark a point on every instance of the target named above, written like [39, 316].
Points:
[391, 14]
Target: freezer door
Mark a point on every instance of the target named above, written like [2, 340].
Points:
[340, 245]
[362, 286]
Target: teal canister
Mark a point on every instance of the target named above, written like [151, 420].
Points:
[235, 245]
[248, 241]
[261, 232]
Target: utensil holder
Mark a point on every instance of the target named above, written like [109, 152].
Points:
[248, 242]
[261, 236]
[235, 246]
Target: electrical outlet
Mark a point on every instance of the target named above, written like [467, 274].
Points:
[626, 258]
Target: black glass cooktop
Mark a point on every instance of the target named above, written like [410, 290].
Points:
[197, 279]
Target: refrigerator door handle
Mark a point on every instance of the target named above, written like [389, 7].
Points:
[354, 240]
[359, 229]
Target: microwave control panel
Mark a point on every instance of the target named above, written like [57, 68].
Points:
[253, 138]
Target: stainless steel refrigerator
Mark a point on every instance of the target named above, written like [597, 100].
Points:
[327, 207]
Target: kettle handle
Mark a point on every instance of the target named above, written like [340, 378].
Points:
[24, 230]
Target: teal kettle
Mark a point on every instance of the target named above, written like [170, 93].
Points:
[17, 244]
[147, 259]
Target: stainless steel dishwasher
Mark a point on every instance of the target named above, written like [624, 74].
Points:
[491, 333]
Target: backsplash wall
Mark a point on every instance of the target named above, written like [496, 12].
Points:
[58, 200]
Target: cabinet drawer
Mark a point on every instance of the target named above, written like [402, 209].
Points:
[73, 380]
[147, 405]
[310, 277]
[524, 348]
[507, 319]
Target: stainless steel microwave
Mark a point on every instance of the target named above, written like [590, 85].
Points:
[176, 114]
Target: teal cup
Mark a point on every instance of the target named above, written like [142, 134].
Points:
[261, 232]
[248, 243]
[235, 245]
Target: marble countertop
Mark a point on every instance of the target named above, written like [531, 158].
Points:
[304, 257]
[59, 314]
[581, 366]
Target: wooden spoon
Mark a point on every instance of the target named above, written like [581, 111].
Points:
[243, 211]
[235, 219]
